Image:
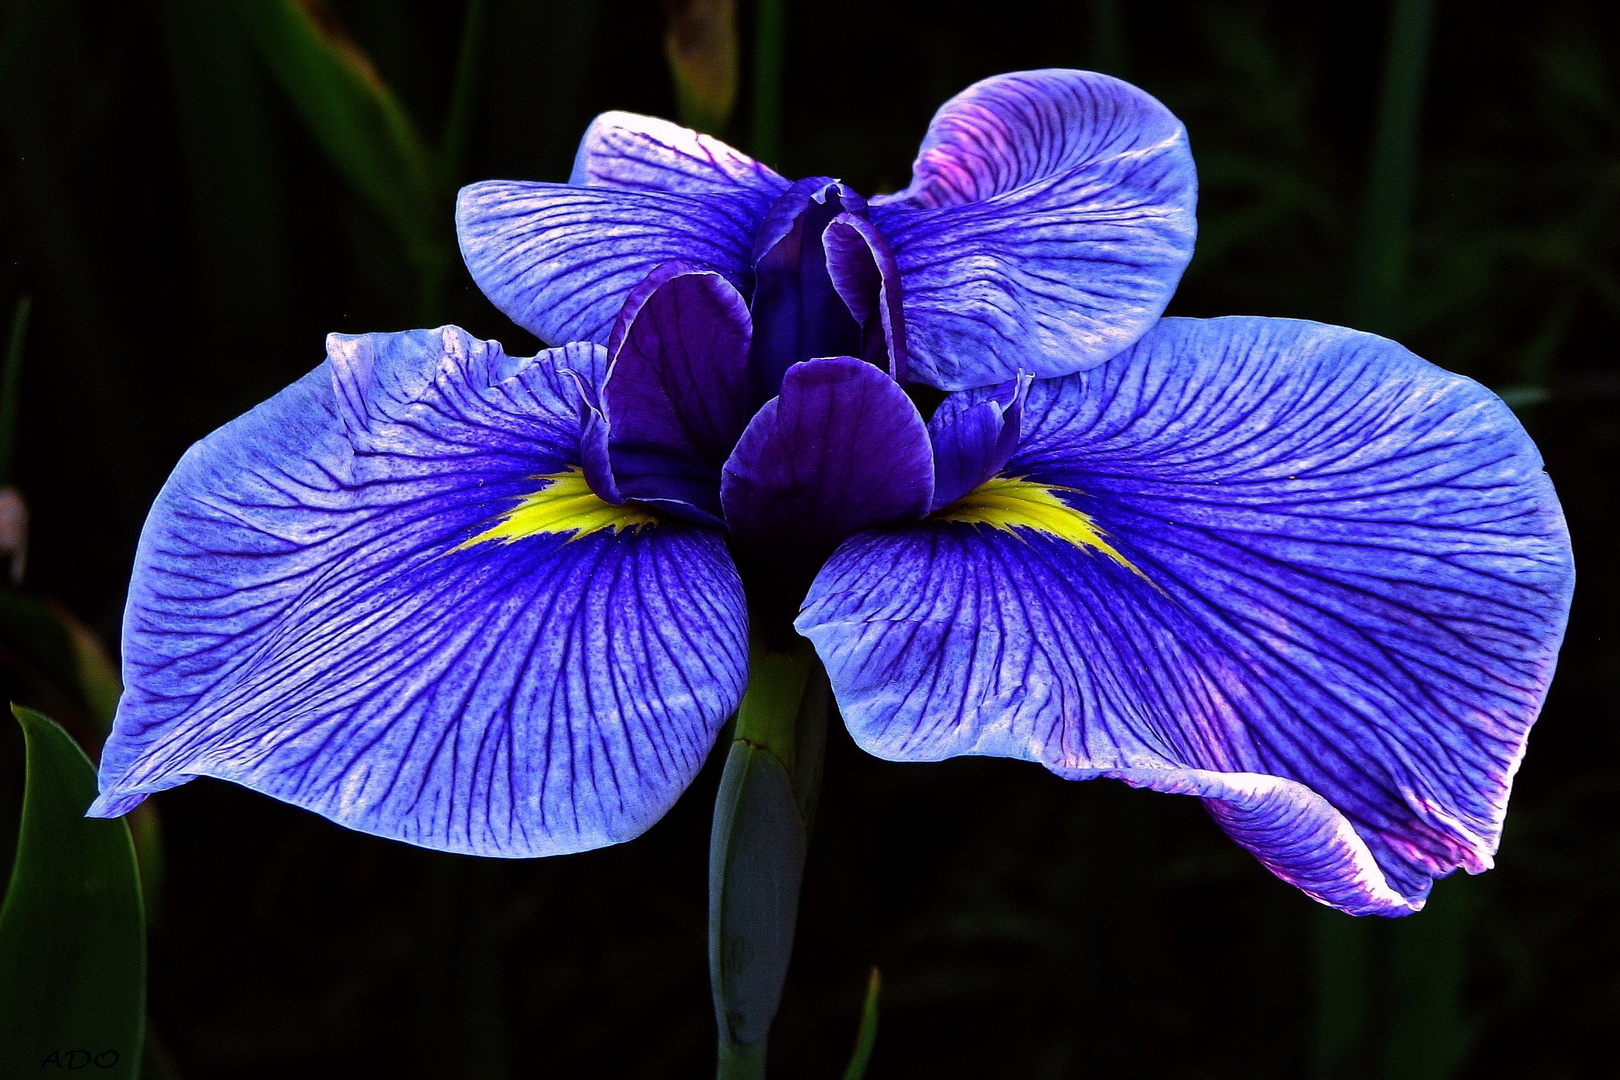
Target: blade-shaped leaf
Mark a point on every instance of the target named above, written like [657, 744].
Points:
[72, 932]
[756, 862]
[866, 1034]
[354, 116]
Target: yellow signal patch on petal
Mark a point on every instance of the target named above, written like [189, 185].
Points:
[564, 503]
[1011, 503]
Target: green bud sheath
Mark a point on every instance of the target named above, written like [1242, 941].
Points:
[757, 848]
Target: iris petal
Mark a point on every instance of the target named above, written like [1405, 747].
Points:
[974, 434]
[643, 153]
[1342, 583]
[842, 449]
[353, 599]
[1048, 222]
[867, 279]
[560, 260]
[797, 310]
[676, 394]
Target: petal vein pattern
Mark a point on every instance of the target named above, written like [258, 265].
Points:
[308, 619]
[1050, 217]
[560, 260]
[643, 153]
[1354, 581]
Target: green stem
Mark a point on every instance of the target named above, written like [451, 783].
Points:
[453, 150]
[768, 716]
[740, 1062]
[1108, 37]
[770, 40]
[757, 848]
[1429, 1033]
[1344, 947]
[1386, 224]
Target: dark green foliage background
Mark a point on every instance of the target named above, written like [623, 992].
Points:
[188, 245]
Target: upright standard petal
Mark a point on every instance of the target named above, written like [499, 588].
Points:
[867, 279]
[560, 260]
[643, 153]
[676, 394]
[1049, 219]
[1289, 568]
[842, 449]
[386, 595]
[974, 434]
[797, 309]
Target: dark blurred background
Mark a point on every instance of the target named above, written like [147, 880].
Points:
[1446, 173]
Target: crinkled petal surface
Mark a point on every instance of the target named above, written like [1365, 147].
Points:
[643, 153]
[1050, 216]
[1347, 581]
[560, 259]
[318, 613]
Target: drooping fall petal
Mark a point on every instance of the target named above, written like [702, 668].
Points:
[386, 595]
[1289, 568]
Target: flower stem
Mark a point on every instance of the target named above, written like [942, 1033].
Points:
[463, 94]
[740, 1061]
[757, 848]
[770, 37]
[1383, 252]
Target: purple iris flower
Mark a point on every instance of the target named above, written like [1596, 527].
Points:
[1049, 218]
[503, 605]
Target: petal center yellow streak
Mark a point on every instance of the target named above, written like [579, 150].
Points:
[1011, 503]
[564, 503]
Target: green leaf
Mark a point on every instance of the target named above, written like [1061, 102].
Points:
[72, 932]
[356, 119]
[762, 816]
[98, 682]
[57, 661]
[866, 1034]
[756, 862]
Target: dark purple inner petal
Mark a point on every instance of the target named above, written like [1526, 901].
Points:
[676, 394]
[797, 312]
[974, 435]
[867, 279]
[841, 450]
